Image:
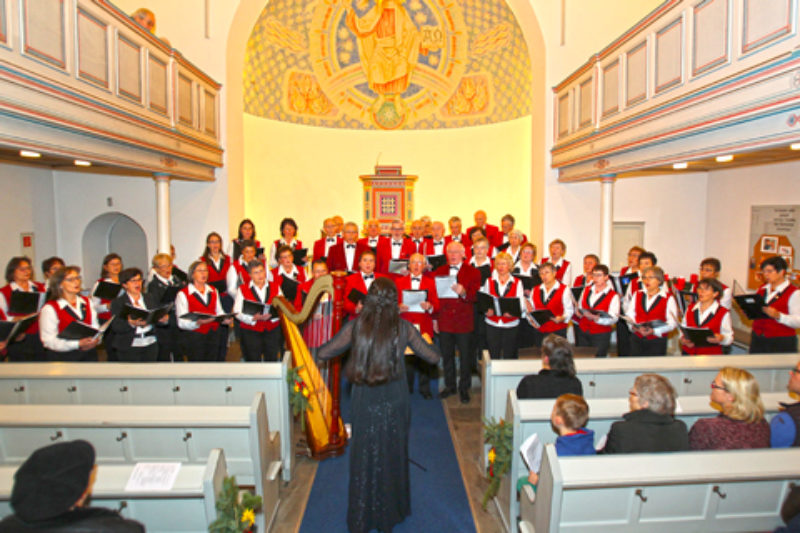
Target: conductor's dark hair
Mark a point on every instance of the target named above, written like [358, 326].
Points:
[601, 268]
[242, 223]
[207, 251]
[374, 357]
[559, 351]
[14, 264]
[713, 262]
[106, 260]
[288, 221]
[128, 274]
[777, 262]
[649, 255]
[48, 263]
[712, 284]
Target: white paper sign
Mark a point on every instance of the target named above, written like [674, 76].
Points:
[152, 476]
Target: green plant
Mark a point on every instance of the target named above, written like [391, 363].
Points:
[499, 436]
[298, 394]
[235, 509]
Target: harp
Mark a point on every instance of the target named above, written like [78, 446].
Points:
[305, 331]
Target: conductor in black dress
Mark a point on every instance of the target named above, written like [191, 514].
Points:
[379, 495]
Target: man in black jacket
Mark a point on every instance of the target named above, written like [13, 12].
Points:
[51, 490]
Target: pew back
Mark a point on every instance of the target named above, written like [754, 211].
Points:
[156, 384]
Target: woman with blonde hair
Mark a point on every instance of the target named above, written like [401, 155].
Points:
[741, 423]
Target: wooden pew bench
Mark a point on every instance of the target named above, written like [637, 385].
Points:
[156, 384]
[736, 490]
[124, 434]
[189, 507]
[533, 416]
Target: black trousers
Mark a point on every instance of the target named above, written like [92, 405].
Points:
[138, 354]
[112, 354]
[623, 339]
[449, 342]
[601, 341]
[79, 356]
[479, 342]
[28, 349]
[167, 337]
[762, 344]
[257, 343]
[502, 342]
[526, 334]
[200, 347]
[647, 347]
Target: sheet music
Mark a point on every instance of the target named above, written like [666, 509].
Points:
[152, 477]
[413, 299]
[444, 286]
[531, 451]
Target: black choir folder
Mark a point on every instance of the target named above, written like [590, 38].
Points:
[576, 293]
[751, 305]
[221, 285]
[698, 336]
[251, 308]
[76, 331]
[355, 296]
[9, 329]
[529, 282]
[300, 256]
[436, 261]
[194, 317]
[506, 305]
[289, 287]
[107, 290]
[25, 303]
[542, 315]
[150, 316]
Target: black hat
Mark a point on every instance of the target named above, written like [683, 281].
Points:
[52, 480]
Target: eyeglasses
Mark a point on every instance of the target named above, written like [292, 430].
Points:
[73, 278]
[718, 387]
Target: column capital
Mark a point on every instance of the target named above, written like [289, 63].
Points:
[161, 176]
[608, 178]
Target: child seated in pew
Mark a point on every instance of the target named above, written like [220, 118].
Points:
[569, 417]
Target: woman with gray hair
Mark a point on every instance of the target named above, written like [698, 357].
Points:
[650, 425]
[197, 306]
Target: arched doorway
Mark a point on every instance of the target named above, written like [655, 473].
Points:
[112, 232]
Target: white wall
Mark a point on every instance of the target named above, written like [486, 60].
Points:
[731, 193]
[28, 207]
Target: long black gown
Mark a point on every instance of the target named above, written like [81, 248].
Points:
[379, 495]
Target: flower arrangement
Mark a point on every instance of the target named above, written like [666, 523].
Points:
[499, 436]
[235, 509]
[298, 394]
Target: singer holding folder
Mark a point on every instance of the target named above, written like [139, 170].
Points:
[135, 339]
[778, 333]
[707, 313]
[260, 330]
[65, 307]
[19, 275]
[199, 339]
[501, 328]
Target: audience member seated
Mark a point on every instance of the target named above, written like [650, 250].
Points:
[790, 512]
[741, 423]
[784, 426]
[569, 417]
[650, 425]
[51, 493]
[557, 375]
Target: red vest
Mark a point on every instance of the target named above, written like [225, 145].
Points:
[244, 275]
[261, 325]
[602, 304]
[65, 318]
[555, 304]
[580, 281]
[561, 270]
[6, 290]
[657, 312]
[767, 327]
[713, 322]
[511, 292]
[195, 306]
[214, 274]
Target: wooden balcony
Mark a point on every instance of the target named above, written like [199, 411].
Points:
[80, 80]
[693, 80]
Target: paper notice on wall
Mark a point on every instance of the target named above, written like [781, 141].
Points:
[152, 477]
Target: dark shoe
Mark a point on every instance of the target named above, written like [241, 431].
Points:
[426, 394]
[446, 392]
[464, 396]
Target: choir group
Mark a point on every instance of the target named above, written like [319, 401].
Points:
[476, 288]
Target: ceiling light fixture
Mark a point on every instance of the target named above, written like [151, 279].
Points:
[794, 146]
[680, 166]
[82, 163]
[724, 158]
[30, 154]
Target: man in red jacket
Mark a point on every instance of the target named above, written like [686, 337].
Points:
[455, 320]
[490, 232]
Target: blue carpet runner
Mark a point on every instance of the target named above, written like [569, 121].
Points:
[438, 498]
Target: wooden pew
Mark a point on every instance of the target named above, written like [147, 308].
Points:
[189, 507]
[533, 416]
[156, 384]
[124, 434]
[737, 490]
[613, 377]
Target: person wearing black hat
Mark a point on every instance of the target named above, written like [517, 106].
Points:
[51, 490]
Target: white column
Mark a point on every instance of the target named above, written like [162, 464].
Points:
[606, 216]
[163, 233]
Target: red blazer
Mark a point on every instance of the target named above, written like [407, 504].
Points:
[424, 320]
[364, 241]
[429, 248]
[385, 253]
[319, 247]
[337, 259]
[456, 315]
[355, 282]
[419, 248]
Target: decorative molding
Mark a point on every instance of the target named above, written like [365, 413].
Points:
[157, 84]
[185, 100]
[611, 86]
[711, 35]
[586, 96]
[210, 112]
[669, 55]
[129, 69]
[3, 23]
[776, 21]
[45, 31]
[636, 74]
[563, 115]
[92, 45]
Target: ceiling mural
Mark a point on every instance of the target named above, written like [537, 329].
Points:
[387, 64]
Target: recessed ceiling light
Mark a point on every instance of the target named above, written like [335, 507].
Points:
[724, 158]
[81, 163]
[680, 166]
[795, 146]
[29, 153]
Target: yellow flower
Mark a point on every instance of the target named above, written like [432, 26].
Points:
[492, 456]
[305, 392]
[296, 387]
[248, 516]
